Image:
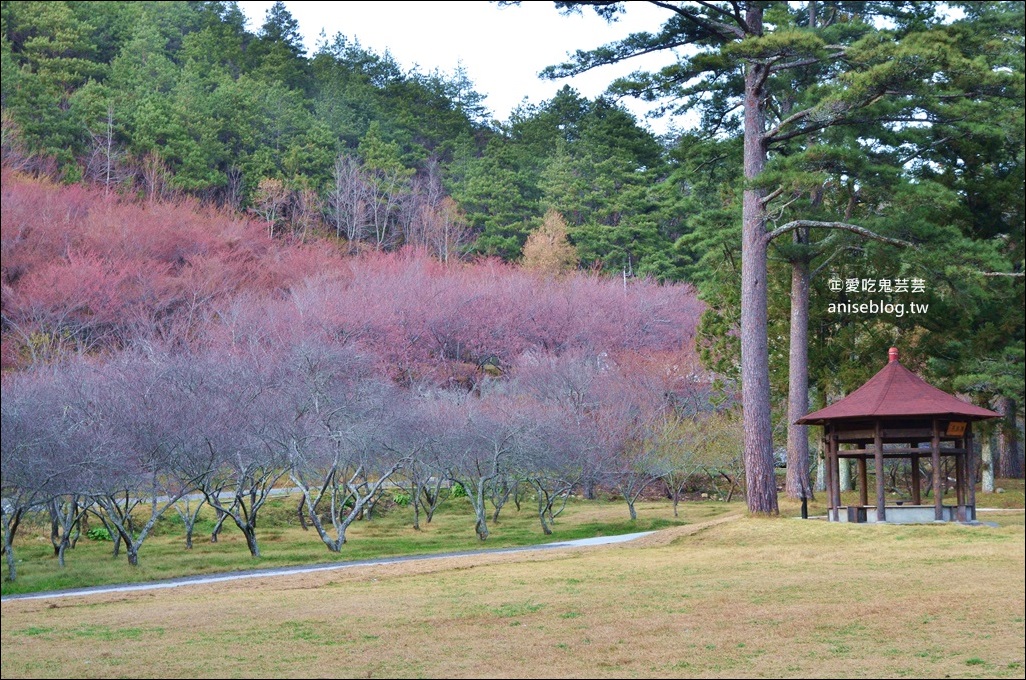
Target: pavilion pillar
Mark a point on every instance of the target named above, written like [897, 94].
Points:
[881, 496]
[836, 476]
[970, 471]
[917, 481]
[938, 491]
[863, 483]
[828, 453]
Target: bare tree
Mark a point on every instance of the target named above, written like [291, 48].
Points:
[430, 219]
[155, 177]
[226, 448]
[333, 425]
[477, 446]
[50, 439]
[106, 163]
[554, 461]
[348, 201]
[140, 471]
[678, 443]
[269, 201]
[233, 190]
[66, 510]
[27, 480]
[13, 152]
[626, 419]
[412, 437]
[188, 509]
[385, 192]
[305, 211]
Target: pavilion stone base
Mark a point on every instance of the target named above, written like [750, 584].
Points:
[904, 514]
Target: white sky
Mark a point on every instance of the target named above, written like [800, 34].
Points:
[502, 49]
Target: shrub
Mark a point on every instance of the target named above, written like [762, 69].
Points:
[98, 534]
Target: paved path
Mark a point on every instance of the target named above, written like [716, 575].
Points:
[284, 571]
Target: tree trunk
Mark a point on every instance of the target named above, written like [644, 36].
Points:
[251, 540]
[844, 474]
[11, 522]
[987, 465]
[820, 472]
[1010, 464]
[480, 526]
[218, 525]
[115, 538]
[12, 570]
[300, 511]
[55, 533]
[61, 548]
[590, 487]
[498, 501]
[755, 388]
[541, 512]
[798, 483]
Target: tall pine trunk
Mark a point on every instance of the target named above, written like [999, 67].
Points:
[755, 388]
[798, 481]
[1010, 464]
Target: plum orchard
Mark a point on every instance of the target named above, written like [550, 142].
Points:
[155, 363]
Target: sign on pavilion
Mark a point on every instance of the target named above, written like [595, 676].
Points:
[898, 415]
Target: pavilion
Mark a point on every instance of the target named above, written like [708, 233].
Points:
[898, 415]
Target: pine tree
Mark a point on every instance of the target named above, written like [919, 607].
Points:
[735, 62]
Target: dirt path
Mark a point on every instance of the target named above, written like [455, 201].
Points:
[667, 536]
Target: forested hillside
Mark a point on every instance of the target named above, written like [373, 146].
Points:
[166, 99]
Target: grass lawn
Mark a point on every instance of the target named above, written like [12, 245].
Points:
[745, 597]
[284, 543]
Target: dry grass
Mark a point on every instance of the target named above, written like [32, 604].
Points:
[745, 598]
[284, 543]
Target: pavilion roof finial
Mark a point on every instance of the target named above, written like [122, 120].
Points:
[892, 355]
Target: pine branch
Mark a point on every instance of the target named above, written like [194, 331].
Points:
[722, 30]
[770, 197]
[735, 15]
[854, 228]
[840, 52]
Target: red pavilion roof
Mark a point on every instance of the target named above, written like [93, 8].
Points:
[896, 392]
